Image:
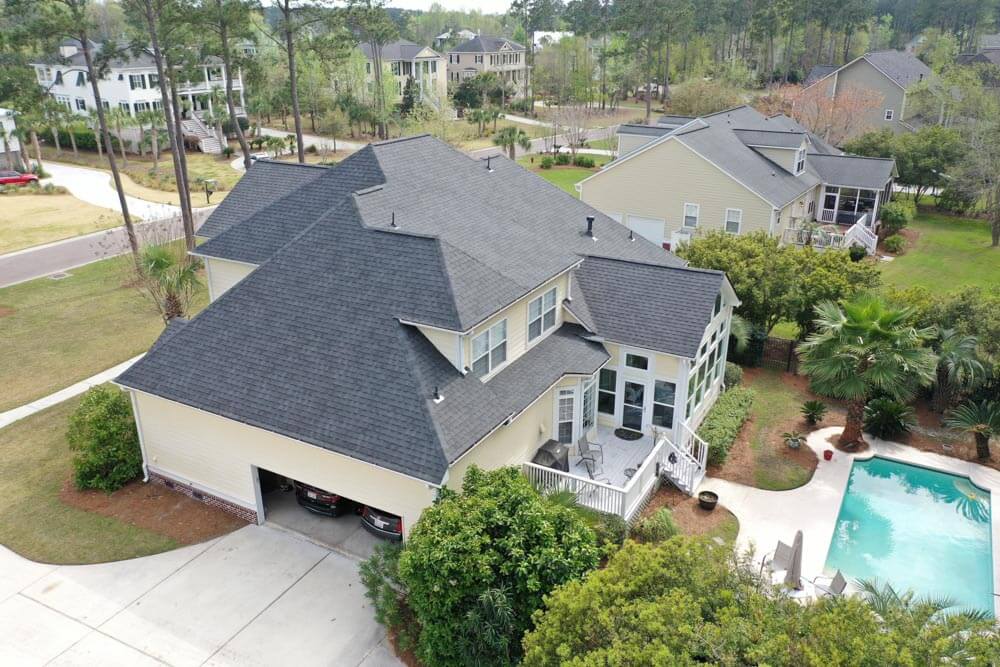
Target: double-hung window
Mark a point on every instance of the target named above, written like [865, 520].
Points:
[81, 79]
[154, 80]
[589, 416]
[800, 161]
[734, 218]
[489, 349]
[691, 212]
[607, 381]
[81, 104]
[541, 314]
[136, 81]
[564, 415]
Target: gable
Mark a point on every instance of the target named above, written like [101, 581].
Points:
[862, 74]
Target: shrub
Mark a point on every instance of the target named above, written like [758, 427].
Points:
[954, 200]
[228, 128]
[814, 411]
[228, 151]
[894, 244]
[86, 139]
[380, 576]
[584, 161]
[733, 376]
[562, 159]
[547, 162]
[657, 527]
[610, 530]
[479, 563]
[857, 253]
[888, 419]
[896, 215]
[724, 421]
[102, 433]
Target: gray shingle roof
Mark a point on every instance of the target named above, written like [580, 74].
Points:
[818, 72]
[644, 130]
[771, 138]
[399, 50]
[903, 68]
[989, 41]
[673, 120]
[312, 345]
[853, 171]
[485, 44]
[664, 309]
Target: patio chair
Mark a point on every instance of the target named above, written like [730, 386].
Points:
[593, 470]
[778, 560]
[590, 450]
[831, 587]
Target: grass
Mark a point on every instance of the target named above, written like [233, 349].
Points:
[29, 220]
[139, 169]
[36, 461]
[950, 252]
[564, 177]
[776, 403]
[785, 329]
[728, 530]
[57, 332]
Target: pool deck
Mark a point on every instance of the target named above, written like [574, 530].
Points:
[768, 516]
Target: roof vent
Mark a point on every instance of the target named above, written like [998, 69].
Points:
[590, 225]
[392, 223]
[631, 235]
[437, 395]
[488, 167]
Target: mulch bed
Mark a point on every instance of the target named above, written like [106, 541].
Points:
[688, 515]
[930, 436]
[155, 508]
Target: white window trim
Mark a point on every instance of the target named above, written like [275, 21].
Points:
[649, 362]
[739, 221]
[697, 216]
[574, 421]
[490, 346]
[555, 322]
[800, 161]
[889, 114]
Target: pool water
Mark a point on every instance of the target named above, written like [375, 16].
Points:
[917, 529]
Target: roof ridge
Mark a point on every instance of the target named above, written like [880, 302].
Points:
[386, 142]
[750, 129]
[294, 164]
[686, 267]
[856, 157]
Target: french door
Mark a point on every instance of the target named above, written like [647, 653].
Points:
[633, 404]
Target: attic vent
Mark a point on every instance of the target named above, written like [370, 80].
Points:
[437, 395]
[590, 225]
[392, 222]
[488, 159]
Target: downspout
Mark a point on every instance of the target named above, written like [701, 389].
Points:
[138, 428]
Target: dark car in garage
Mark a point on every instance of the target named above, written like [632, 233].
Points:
[382, 524]
[320, 501]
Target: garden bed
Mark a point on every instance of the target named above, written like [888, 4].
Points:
[692, 519]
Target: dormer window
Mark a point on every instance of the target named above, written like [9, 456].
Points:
[489, 349]
[541, 314]
[800, 161]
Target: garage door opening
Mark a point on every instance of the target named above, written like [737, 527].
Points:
[321, 515]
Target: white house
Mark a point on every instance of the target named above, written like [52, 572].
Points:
[10, 145]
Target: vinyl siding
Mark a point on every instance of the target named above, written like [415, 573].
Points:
[783, 157]
[223, 274]
[659, 181]
[216, 455]
[446, 343]
[629, 142]
[864, 75]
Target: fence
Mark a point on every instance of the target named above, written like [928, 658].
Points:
[779, 353]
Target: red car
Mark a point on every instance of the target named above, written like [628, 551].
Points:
[14, 178]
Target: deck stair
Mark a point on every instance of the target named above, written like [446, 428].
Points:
[207, 141]
[684, 462]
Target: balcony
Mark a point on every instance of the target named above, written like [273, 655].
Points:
[857, 230]
[629, 472]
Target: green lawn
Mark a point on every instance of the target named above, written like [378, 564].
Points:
[775, 407]
[35, 461]
[57, 332]
[950, 253]
[564, 177]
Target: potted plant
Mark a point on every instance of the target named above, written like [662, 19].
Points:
[707, 500]
[814, 411]
[794, 439]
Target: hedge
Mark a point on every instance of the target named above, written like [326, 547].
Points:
[85, 139]
[724, 422]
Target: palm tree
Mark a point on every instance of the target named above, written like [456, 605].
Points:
[864, 347]
[54, 114]
[154, 119]
[170, 278]
[121, 118]
[509, 138]
[981, 419]
[95, 124]
[958, 366]
[740, 329]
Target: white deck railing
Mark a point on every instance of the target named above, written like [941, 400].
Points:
[862, 234]
[686, 466]
[596, 495]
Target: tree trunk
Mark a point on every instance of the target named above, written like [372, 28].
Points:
[172, 306]
[97, 140]
[154, 136]
[55, 139]
[982, 446]
[92, 73]
[293, 79]
[230, 103]
[38, 149]
[942, 390]
[121, 142]
[72, 141]
[6, 152]
[852, 437]
[510, 151]
[180, 165]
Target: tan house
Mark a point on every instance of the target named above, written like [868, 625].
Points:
[739, 171]
[889, 73]
[371, 340]
[481, 54]
[407, 60]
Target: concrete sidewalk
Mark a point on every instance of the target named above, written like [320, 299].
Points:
[94, 186]
[11, 416]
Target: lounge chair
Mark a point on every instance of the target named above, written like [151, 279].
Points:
[589, 450]
[778, 560]
[593, 470]
[831, 587]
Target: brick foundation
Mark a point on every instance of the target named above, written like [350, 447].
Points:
[248, 515]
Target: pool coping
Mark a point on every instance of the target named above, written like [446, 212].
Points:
[768, 516]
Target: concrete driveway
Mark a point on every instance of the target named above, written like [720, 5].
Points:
[258, 596]
[94, 186]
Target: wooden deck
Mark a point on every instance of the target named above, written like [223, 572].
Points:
[618, 455]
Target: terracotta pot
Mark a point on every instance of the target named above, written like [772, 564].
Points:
[828, 455]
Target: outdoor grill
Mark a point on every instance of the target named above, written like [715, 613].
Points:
[553, 454]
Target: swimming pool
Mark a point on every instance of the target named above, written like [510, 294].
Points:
[917, 529]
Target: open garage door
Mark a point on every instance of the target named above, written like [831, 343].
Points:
[648, 228]
[321, 515]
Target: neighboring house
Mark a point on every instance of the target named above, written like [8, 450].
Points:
[407, 60]
[481, 54]
[131, 84]
[377, 327]
[988, 61]
[889, 73]
[460, 35]
[739, 171]
[10, 145]
[545, 38]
